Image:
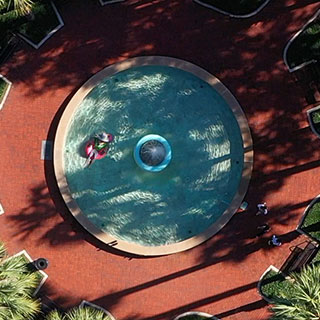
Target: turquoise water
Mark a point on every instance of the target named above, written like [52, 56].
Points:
[155, 208]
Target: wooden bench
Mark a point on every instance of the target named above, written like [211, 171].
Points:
[299, 257]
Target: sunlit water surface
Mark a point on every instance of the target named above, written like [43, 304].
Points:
[192, 192]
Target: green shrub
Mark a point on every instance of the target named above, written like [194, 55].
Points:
[305, 303]
[315, 116]
[311, 222]
[24, 260]
[9, 22]
[316, 259]
[306, 46]
[274, 284]
[3, 87]
[78, 313]
[17, 284]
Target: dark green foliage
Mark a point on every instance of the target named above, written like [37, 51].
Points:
[316, 259]
[35, 29]
[311, 222]
[274, 285]
[78, 313]
[315, 116]
[306, 46]
[9, 22]
[30, 269]
[44, 21]
[3, 87]
[304, 304]
[19, 7]
[17, 284]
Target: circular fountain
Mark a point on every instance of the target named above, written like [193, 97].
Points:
[175, 202]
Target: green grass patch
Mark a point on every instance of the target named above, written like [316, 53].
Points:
[7, 20]
[315, 119]
[39, 276]
[311, 222]
[45, 20]
[236, 7]
[316, 259]
[3, 88]
[274, 284]
[315, 116]
[306, 46]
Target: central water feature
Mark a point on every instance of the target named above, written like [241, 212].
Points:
[175, 166]
[152, 153]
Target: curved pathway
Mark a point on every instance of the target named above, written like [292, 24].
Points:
[220, 276]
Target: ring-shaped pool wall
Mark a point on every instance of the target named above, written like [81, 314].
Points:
[165, 158]
[179, 207]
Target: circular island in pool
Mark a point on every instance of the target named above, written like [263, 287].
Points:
[152, 153]
[179, 164]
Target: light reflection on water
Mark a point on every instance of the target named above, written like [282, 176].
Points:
[192, 192]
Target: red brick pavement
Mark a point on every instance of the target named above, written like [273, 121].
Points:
[219, 276]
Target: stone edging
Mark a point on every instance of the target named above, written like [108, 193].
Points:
[196, 313]
[90, 304]
[7, 91]
[50, 34]
[290, 42]
[270, 268]
[310, 120]
[316, 199]
[45, 276]
[239, 16]
[131, 246]
[103, 3]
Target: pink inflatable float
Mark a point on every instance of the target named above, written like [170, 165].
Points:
[97, 148]
[100, 154]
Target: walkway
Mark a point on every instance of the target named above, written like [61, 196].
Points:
[218, 277]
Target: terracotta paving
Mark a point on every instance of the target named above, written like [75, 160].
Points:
[219, 276]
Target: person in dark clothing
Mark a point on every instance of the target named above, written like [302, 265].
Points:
[264, 228]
